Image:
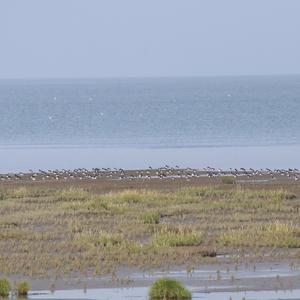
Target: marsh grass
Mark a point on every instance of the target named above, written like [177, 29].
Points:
[74, 229]
[4, 287]
[281, 235]
[98, 239]
[22, 288]
[227, 179]
[23, 192]
[168, 289]
[151, 217]
[178, 236]
[20, 192]
[73, 194]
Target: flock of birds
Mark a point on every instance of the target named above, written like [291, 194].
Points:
[166, 172]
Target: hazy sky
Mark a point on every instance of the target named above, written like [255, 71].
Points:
[97, 38]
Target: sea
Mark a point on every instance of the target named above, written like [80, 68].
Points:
[222, 122]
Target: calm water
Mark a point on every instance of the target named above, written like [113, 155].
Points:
[141, 293]
[148, 114]
[203, 284]
[152, 113]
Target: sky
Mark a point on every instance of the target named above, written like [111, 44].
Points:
[148, 38]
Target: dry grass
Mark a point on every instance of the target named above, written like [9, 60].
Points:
[227, 179]
[47, 232]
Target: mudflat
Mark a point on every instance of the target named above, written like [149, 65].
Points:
[74, 230]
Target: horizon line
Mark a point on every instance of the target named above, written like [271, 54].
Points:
[145, 77]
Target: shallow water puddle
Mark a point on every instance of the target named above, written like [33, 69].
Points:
[199, 281]
[204, 274]
[142, 292]
[97, 294]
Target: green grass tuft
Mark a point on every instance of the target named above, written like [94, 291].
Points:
[4, 287]
[168, 289]
[22, 288]
[173, 237]
[151, 218]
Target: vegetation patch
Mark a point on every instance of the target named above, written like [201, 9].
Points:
[4, 287]
[22, 288]
[73, 194]
[151, 218]
[181, 236]
[227, 179]
[275, 234]
[168, 289]
[98, 239]
[49, 231]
